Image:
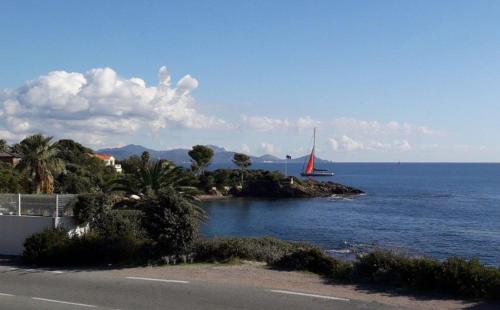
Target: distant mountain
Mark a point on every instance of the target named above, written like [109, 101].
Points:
[180, 156]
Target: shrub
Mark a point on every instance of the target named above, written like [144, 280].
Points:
[170, 221]
[53, 247]
[95, 249]
[120, 223]
[88, 207]
[47, 248]
[467, 278]
[470, 278]
[316, 261]
[259, 249]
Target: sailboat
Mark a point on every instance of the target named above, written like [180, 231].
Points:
[310, 170]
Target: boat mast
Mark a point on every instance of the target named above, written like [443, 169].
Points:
[314, 139]
[314, 145]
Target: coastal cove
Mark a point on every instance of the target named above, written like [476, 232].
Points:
[432, 209]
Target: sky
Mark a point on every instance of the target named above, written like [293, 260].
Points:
[380, 80]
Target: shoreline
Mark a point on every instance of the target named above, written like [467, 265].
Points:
[208, 197]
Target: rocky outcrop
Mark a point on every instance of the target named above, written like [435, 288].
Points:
[283, 188]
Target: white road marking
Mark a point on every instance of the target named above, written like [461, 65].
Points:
[157, 280]
[37, 270]
[310, 295]
[64, 302]
[5, 294]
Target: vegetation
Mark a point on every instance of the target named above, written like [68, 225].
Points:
[60, 167]
[10, 179]
[316, 261]
[152, 177]
[266, 249]
[243, 162]
[82, 173]
[39, 159]
[47, 247]
[201, 156]
[171, 222]
[458, 276]
[3, 146]
[145, 157]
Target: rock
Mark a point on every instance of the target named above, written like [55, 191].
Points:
[268, 187]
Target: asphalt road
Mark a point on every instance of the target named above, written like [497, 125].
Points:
[51, 289]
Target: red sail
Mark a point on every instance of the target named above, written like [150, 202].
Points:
[310, 163]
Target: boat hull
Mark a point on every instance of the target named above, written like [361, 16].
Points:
[318, 174]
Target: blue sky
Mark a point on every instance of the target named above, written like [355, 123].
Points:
[382, 80]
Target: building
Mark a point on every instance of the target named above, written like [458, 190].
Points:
[10, 158]
[109, 161]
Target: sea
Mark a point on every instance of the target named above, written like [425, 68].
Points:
[435, 210]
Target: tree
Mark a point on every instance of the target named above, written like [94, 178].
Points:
[39, 160]
[3, 146]
[145, 158]
[72, 152]
[82, 173]
[243, 161]
[131, 164]
[201, 158]
[155, 176]
[10, 180]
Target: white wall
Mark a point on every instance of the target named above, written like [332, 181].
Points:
[15, 229]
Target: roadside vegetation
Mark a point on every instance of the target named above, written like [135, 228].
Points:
[48, 166]
[151, 214]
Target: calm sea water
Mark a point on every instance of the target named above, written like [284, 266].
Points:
[437, 210]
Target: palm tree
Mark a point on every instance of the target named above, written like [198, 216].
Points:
[156, 176]
[39, 160]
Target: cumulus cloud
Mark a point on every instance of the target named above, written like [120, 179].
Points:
[245, 149]
[364, 127]
[264, 123]
[348, 144]
[100, 103]
[345, 143]
[268, 148]
[341, 125]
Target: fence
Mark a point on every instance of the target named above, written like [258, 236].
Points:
[37, 205]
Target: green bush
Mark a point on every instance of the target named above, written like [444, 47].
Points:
[316, 261]
[467, 278]
[88, 207]
[470, 278]
[120, 223]
[95, 249]
[170, 222]
[259, 249]
[47, 248]
[53, 247]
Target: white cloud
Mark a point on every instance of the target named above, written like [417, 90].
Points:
[348, 144]
[403, 145]
[99, 103]
[334, 143]
[264, 123]
[268, 148]
[245, 149]
[363, 127]
[307, 122]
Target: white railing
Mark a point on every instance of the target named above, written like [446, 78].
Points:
[36, 205]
